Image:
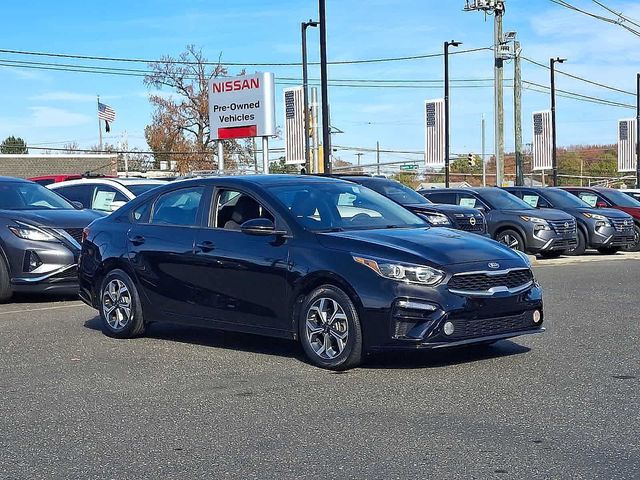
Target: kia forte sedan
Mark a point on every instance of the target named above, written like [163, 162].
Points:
[334, 265]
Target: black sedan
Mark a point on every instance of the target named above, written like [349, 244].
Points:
[451, 216]
[334, 265]
[40, 235]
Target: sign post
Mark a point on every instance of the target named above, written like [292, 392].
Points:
[243, 107]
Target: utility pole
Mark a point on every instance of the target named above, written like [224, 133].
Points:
[324, 86]
[378, 158]
[497, 9]
[99, 127]
[452, 43]
[638, 130]
[359, 155]
[554, 155]
[517, 111]
[305, 92]
[484, 158]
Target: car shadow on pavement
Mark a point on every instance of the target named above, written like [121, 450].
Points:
[209, 337]
[291, 349]
[443, 357]
[21, 298]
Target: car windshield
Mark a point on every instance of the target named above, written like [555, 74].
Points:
[620, 199]
[396, 192]
[563, 199]
[343, 206]
[30, 196]
[141, 188]
[502, 200]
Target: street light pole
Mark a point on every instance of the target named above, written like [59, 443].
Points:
[324, 87]
[638, 131]
[452, 43]
[554, 156]
[305, 92]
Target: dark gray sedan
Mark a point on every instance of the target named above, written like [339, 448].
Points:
[40, 237]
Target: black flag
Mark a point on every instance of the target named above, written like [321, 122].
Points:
[107, 128]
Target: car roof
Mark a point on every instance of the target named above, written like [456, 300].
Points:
[264, 180]
[110, 181]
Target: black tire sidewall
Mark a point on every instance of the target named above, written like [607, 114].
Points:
[635, 247]
[581, 247]
[516, 235]
[135, 326]
[352, 354]
[5, 280]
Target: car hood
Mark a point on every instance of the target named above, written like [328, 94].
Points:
[432, 246]
[607, 212]
[444, 208]
[546, 213]
[54, 218]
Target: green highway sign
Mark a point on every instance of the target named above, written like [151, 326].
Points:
[409, 168]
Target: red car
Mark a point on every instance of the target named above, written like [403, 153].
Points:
[49, 179]
[600, 197]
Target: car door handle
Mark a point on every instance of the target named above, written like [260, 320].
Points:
[136, 239]
[205, 246]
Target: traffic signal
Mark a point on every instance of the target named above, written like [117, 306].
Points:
[471, 160]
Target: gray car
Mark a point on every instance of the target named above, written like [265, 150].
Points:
[40, 237]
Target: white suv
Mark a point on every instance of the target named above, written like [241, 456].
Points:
[104, 194]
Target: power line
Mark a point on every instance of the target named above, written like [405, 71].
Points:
[565, 4]
[239, 64]
[618, 14]
[579, 96]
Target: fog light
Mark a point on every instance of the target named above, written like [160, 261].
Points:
[448, 328]
[31, 261]
[537, 316]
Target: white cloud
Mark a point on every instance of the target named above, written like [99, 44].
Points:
[45, 117]
[64, 96]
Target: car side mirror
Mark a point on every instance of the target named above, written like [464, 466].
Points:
[78, 205]
[601, 205]
[261, 227]
[481, 208]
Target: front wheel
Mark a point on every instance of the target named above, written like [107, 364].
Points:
[120, 307]
[330, 330]
[609, 250]
[581, 247]
[5, 281]
[635, 246]
[511, 239]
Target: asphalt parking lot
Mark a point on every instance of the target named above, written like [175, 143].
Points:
[193, 403]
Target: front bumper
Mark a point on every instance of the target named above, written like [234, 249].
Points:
[611, 237]
[549, 241]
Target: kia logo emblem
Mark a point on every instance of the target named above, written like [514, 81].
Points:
[472, 221]
[494, 265]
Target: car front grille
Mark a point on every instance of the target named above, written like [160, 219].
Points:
[470, 223]
[75, 233]
[69, 273]
[484, 281]
[619, 225]
[564, 227]
[565, 243]
[476, 328]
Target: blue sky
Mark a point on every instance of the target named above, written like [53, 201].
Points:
[50, 108]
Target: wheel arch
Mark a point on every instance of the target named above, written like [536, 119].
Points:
[510, 226]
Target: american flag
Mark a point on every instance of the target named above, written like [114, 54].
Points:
[542, 141]
[434, 132]
[294, 126]
[106, 113]
[627, 145]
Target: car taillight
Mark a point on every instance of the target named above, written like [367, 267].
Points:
[85, 234]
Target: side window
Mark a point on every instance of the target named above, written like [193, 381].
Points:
[78, 193]
[179, 207]
[44, 182]
[107, 199]
[141, 213]
[533, 199]
[591, 198]
[233, 208]
[442, 197]
[468, 200]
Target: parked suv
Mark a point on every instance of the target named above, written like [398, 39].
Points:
[599, 197]
[452, 216]
[104, 194]
[513, 222]
[597, 228]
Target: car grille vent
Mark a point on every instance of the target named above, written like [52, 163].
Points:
[75, 233]
[492, 326]
[621, 227]
[468, 225]
[563, 227]
[482, 282]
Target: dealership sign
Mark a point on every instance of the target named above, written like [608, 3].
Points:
[242, 107]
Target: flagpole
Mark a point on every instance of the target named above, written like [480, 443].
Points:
[99, 125]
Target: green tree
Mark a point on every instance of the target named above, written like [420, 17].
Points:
[14, 146]
[281, 167]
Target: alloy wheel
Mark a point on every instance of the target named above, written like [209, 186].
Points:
[327, 328]
[116, 304]
[510, 241]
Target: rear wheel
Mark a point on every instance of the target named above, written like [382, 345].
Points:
[5, 282]
[580, 247]
[511, 239]
[330, 330]
[120, 307]
[609, 250]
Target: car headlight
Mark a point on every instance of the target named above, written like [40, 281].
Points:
[524, 256]
[540, 223]
[437, 219]
[403, 272]
[601, 220]
[30, 232]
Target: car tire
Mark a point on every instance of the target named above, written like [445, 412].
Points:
[330, 330]
[635, 247]
[120, 307]
[581, 247]
[553, 254]
[5, 281]
[511, 239]
[609, 250]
